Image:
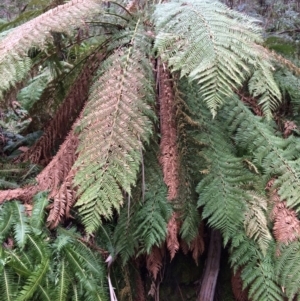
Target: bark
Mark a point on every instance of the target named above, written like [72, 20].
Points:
[211, 269]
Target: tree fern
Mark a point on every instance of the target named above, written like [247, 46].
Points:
[226, 173]
[184, 64]
[219, 52]
[122, 94]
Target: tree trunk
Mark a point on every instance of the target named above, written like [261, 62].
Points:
[211, 269]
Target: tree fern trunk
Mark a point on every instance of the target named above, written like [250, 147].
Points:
[211, 269]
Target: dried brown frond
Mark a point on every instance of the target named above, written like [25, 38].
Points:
[196, 246]
[59, 126]
[286, 223]
[54, 174]
[168, 144]
[172, 236]
[132, 6]
[251, 102]
[288, 126]
[237, 287]
[63, 202]
[154, 261]
[184, 246]
[24, 194]
[57, 179]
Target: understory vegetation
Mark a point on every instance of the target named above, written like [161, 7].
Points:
[132, 132]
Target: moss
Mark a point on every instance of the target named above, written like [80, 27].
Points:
[281, 46]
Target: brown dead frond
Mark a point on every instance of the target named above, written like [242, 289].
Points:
[288, 126]
[286, 223]
[55, 173]
[196, 246]
[251, 102]
[57, 179]
[237, 287]
[168, 144]
[59, 126]
[63, 202]
[172, 235]
[154, 261]
[24, 194]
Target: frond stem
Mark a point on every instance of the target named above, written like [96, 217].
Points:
[120, 5]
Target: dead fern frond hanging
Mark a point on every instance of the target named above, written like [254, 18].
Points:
[63, 201]
[239, 293]
[59, 126]
[286, 223]
[286, 226]
[172, 236]
[168, 144]
[154, 261]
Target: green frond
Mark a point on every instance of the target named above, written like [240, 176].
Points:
[124, 239]
[216, 46]
[44, 293]
[288, 270]
[256, 224]
[20, 224]
[221, 191]
[21, 19]
[274, 155]
[257, 269]
[62, 286]
[37, 219]
[262, 86]
[91, 262]
[112, 131]
[154, 211]
[18, 263]
[78, 269]
[34, 89]
[288, 84]
[8, 284]
[191, 221]
[38, 247]
[143, 220]
[14, 62]
[6, 220]
[34, 280]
